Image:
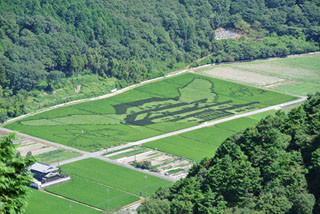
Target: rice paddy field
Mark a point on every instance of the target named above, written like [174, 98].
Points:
[94, 182]
[204, 142]
[170, 104]
[43, 203]
[299, 75]
[56, 156]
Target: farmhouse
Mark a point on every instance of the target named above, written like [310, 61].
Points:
[45, 175]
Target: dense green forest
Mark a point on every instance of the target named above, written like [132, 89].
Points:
[43, 43]
[271, 168]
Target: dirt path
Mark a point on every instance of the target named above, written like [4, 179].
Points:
[198, 60]
[68, 199]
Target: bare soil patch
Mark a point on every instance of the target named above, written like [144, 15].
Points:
[275, 85]
[242, 76]
[222, 33]
[163, 162]
[279, 70]
[25, 145]
[34, 148]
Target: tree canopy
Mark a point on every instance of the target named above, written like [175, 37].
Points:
[15, 177]
[45, 41]
[270, 168]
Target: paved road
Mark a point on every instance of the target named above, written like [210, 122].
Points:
[131, 209]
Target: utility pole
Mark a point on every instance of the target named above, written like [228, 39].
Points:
[82, 139]
[135, 155]
[108, 200]
[70, 208]
[146, 177]
[106, 143]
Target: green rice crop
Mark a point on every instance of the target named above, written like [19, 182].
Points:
[43, 203]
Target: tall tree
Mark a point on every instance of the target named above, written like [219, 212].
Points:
[14, 177]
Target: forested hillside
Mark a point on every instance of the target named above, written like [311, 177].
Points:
[43, 42]
[271, 168]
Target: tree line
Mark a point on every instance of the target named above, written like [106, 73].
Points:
[43, 42]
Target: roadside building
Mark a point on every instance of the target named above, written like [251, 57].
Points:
[45, 175]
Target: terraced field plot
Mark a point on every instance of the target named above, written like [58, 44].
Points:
[160, 162]
[296, 75]
[204, 142]
[91, 179]
[43, 203]
[149, 110]
[43, 152]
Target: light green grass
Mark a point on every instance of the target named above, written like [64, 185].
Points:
[210, 135]
[204, 142]
[305, 70]
[146, 111]
[300, 88]
[43, 203]
[236, 91]
[238, 124]
[119, 150]
[184, 147]
[129, 153]
[115, 176]
[173, 171]
[91, 86]
[56, 155]
[93, 194]
[262, 115]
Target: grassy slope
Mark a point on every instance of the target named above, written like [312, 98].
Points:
[42, 203]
